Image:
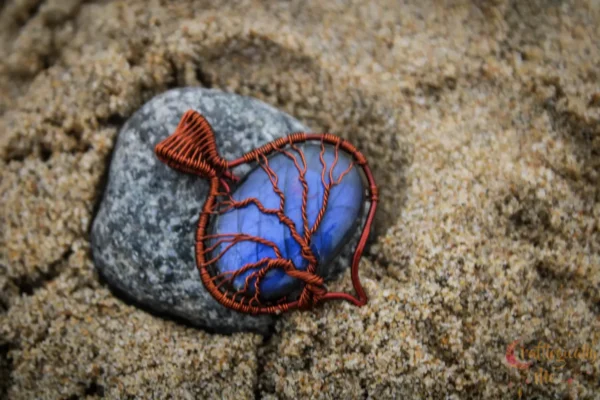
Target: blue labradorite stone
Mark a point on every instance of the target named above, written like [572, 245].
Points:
[343, 210]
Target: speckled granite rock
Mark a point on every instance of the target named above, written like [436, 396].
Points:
[143, 236]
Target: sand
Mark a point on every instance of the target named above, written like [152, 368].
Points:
[482, 124]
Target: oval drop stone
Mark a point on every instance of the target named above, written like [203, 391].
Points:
[341, 215]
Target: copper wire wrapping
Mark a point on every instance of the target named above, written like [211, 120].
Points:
[192, 148]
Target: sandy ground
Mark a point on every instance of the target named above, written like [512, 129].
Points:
[481, 120]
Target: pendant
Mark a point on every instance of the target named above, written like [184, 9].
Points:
[261, 239]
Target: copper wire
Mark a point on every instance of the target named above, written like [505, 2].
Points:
[192, 148]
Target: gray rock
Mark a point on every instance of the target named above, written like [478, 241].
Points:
[143, 235]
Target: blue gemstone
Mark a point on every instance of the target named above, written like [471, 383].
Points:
[342, 212]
